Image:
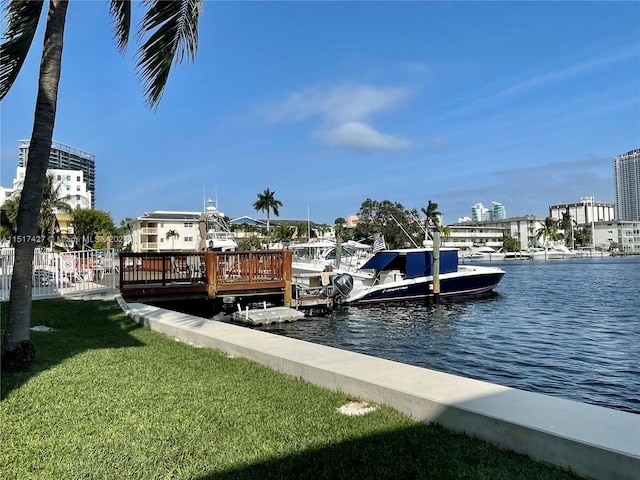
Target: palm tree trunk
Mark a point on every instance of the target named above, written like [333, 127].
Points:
[17, 350]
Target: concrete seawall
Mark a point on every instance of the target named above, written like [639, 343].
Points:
[592, 441]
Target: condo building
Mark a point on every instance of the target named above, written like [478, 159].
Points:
[65, 157]
[584, 212]
[626, 171]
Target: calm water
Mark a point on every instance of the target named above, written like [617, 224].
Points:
[569, 328]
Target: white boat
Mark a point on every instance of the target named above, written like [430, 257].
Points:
[408, 274]
[481, 253]
[552, 251]
[518, 255]
[217, 234]
[310, 259]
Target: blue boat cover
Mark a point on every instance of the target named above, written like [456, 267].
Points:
[419, 264]
[379, 261]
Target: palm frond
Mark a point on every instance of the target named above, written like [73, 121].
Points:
[22, 22]
[175, 34]
[121, 13]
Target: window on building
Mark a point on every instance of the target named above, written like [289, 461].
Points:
[188, 239]
[68, 178]
[78, 178]
[188, 224]
[59, 178]
[77, 188]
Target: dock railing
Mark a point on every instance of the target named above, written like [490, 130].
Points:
[219, 273]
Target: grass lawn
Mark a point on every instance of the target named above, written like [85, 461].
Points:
[107, 399]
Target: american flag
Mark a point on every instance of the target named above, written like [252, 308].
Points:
[379, 244]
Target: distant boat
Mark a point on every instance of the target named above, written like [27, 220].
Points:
[408, 274]
[313, 258]
[482, 253]
[215, 231]
[552, 251]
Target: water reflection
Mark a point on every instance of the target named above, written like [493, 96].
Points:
[567, 328]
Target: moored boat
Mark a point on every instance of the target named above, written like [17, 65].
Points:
[482, 253]
[217, 234]
[408, 274]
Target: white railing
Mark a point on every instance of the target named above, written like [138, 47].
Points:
[66, 273]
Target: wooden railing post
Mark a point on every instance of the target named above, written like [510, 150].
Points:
[287, 257]
[211, 271]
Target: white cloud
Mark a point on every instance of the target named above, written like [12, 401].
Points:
[337, 104]
[360, 136]
[343, 111]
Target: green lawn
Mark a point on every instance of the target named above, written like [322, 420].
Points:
[107, 399]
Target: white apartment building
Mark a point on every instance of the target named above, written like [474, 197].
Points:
[70, 184]
[66, 157]
[625, 233]
[584, 212]
[148, 233]
[491, 232]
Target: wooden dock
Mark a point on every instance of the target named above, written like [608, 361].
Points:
[166, 276]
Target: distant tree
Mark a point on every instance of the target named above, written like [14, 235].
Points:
[249, 243]
[510, 244]
[432, 214]
[52, 203]
[583, 236]
[8, 222]
[172, 234]
[267, 203]
[392, 220]
[567, 226]
[549, 231]
[445, 231]
[89, 222]
[340, 228]
[282, 233]
[302, 230]
[124, 222]
[323, 229]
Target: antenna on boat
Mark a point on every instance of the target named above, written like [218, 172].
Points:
[308, 225]
[417, 220]
[404, 231]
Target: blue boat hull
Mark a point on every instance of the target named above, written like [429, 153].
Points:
[468, 285]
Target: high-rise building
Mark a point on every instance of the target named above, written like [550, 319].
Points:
[626, 172]
[64, 157]
[498, 212]
[479, 213]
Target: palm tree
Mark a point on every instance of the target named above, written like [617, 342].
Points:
[433, 216]
[52, 203]
[8, 223]
[340, 227]
[282, 233]
[549, 231]
[172, 27]
[172, 234]
[267, 203]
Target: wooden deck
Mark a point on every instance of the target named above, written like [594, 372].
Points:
[205, 275]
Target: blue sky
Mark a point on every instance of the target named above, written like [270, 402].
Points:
[331, 103]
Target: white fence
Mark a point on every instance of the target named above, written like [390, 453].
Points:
[67, 273]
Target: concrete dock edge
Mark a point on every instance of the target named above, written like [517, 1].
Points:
[591, 441]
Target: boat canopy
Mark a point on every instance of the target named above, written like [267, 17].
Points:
[379, 261]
